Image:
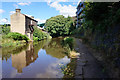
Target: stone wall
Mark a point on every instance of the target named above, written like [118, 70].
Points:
[18, 23]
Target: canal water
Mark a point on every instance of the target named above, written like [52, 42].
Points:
[41, 60]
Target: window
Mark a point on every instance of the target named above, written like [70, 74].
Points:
[31, 21]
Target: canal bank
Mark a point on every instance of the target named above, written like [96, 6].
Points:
[87, 65]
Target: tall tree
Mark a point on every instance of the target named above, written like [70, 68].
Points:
[59, 25]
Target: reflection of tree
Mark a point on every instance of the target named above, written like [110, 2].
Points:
[24, 58]
[40, 45]
[55, 49]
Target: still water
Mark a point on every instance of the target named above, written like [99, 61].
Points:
[41, 60]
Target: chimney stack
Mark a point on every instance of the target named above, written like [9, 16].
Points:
[18, 10]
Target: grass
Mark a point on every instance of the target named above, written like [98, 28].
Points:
[8, 45]
[8, 42]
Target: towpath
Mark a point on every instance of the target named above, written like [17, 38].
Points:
[87, 65]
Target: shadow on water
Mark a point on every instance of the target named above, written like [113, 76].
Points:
[35, 60]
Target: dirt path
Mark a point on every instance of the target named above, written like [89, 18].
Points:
[87, 64]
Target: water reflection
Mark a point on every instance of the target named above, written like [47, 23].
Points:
[38, 60]
[53, 70]
[24, 58]
[55, 49]
[6, 52]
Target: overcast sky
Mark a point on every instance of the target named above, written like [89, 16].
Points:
[40, 10]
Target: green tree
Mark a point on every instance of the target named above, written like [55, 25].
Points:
[99, 16]
[39, 35]
[59, 26]
[5, 29]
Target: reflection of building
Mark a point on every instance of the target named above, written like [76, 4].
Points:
[79, 14]
[22, 24]
[24, 58]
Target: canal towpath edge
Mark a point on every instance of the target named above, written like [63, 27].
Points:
[87, 65]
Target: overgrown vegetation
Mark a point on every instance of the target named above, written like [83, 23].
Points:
[9, 42]
[101, 28]
[101, 25]
[69, 42]
[69, 70]
[10, 45]
[13, 39]
[39, 35]
[59, 26]
[17, 36]
[68, 45]
[4, 29]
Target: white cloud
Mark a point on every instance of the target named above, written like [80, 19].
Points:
[4, 21]
[49, 1]
[74, 3]
[12, 12]
[1, 11]
[66, 10]
[40, 20]
[24, 3]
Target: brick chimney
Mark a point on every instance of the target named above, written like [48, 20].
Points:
[18, 10]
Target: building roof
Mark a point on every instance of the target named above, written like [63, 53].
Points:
[29, 17]
[19, 11]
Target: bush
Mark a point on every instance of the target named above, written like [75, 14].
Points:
[35, 38]
[39, 35]
[5, 29]
[68, 42]
[17, 36]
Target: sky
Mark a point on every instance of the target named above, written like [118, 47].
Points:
[40, 10]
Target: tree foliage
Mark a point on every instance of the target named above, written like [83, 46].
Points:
[101, 26]
[99, 16]
[38, 34]
[59, 26]
[5, 29]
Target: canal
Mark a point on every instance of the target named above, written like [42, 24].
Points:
[40, 60]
